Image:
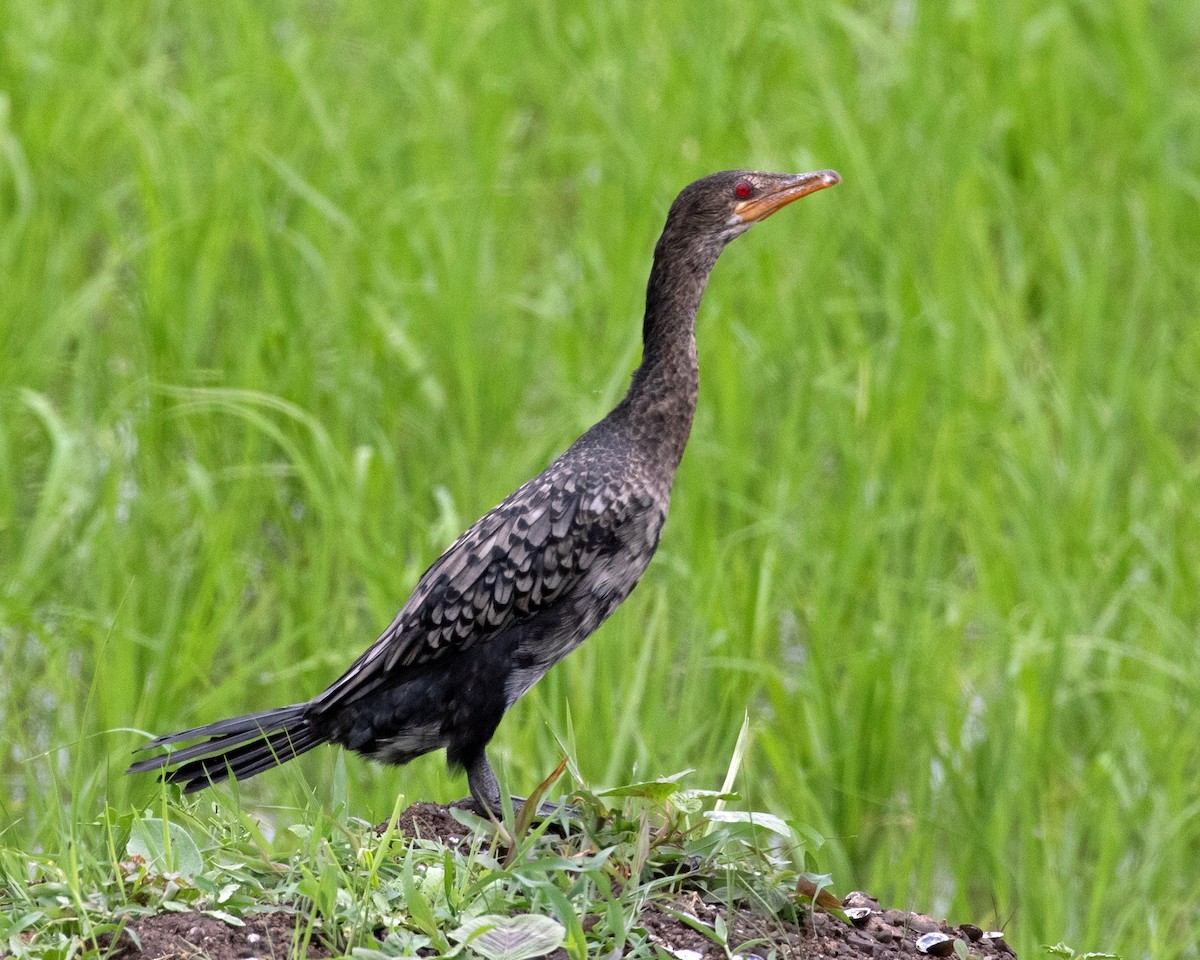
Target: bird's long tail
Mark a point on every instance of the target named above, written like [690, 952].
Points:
[241, 746]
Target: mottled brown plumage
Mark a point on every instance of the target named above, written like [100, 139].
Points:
[530, 580]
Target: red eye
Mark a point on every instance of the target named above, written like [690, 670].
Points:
[743, 189]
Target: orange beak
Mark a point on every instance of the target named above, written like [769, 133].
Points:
[779, 196]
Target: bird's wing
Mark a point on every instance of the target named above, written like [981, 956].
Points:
[510, 564]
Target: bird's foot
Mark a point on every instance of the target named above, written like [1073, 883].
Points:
[545, 811]
[551, 809]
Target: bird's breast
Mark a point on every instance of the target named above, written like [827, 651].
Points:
[549, 637]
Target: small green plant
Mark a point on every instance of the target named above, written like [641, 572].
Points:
[1062, 950]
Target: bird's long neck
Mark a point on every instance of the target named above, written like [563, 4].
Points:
[661, 400]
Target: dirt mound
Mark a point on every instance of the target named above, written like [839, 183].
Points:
[875, 933]
[429, 821]
[890, 933]
[881, 934]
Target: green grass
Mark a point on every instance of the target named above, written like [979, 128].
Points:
[379, 893]
[290, 293]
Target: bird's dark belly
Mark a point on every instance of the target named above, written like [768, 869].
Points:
[457, 705]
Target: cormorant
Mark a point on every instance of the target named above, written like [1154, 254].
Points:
[530, 580]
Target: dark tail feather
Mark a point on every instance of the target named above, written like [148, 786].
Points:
[242, 746]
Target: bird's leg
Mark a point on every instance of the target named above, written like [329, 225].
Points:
[485, 791]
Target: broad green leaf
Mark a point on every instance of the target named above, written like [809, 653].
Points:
[171, 851]
[519, 937]
[649, 789]
[768, 821]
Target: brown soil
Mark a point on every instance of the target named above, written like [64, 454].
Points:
[877, 934]
[182, 936]
[883, 935]
[429, 821]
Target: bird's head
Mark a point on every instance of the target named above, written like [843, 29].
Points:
[725, 205]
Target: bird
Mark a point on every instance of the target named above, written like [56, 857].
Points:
[531, 579]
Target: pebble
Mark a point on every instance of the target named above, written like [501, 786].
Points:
[856, 898]
[883, 934]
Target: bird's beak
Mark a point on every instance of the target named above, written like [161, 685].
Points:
[780, 194]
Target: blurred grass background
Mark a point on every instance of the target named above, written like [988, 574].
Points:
[291, 292]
